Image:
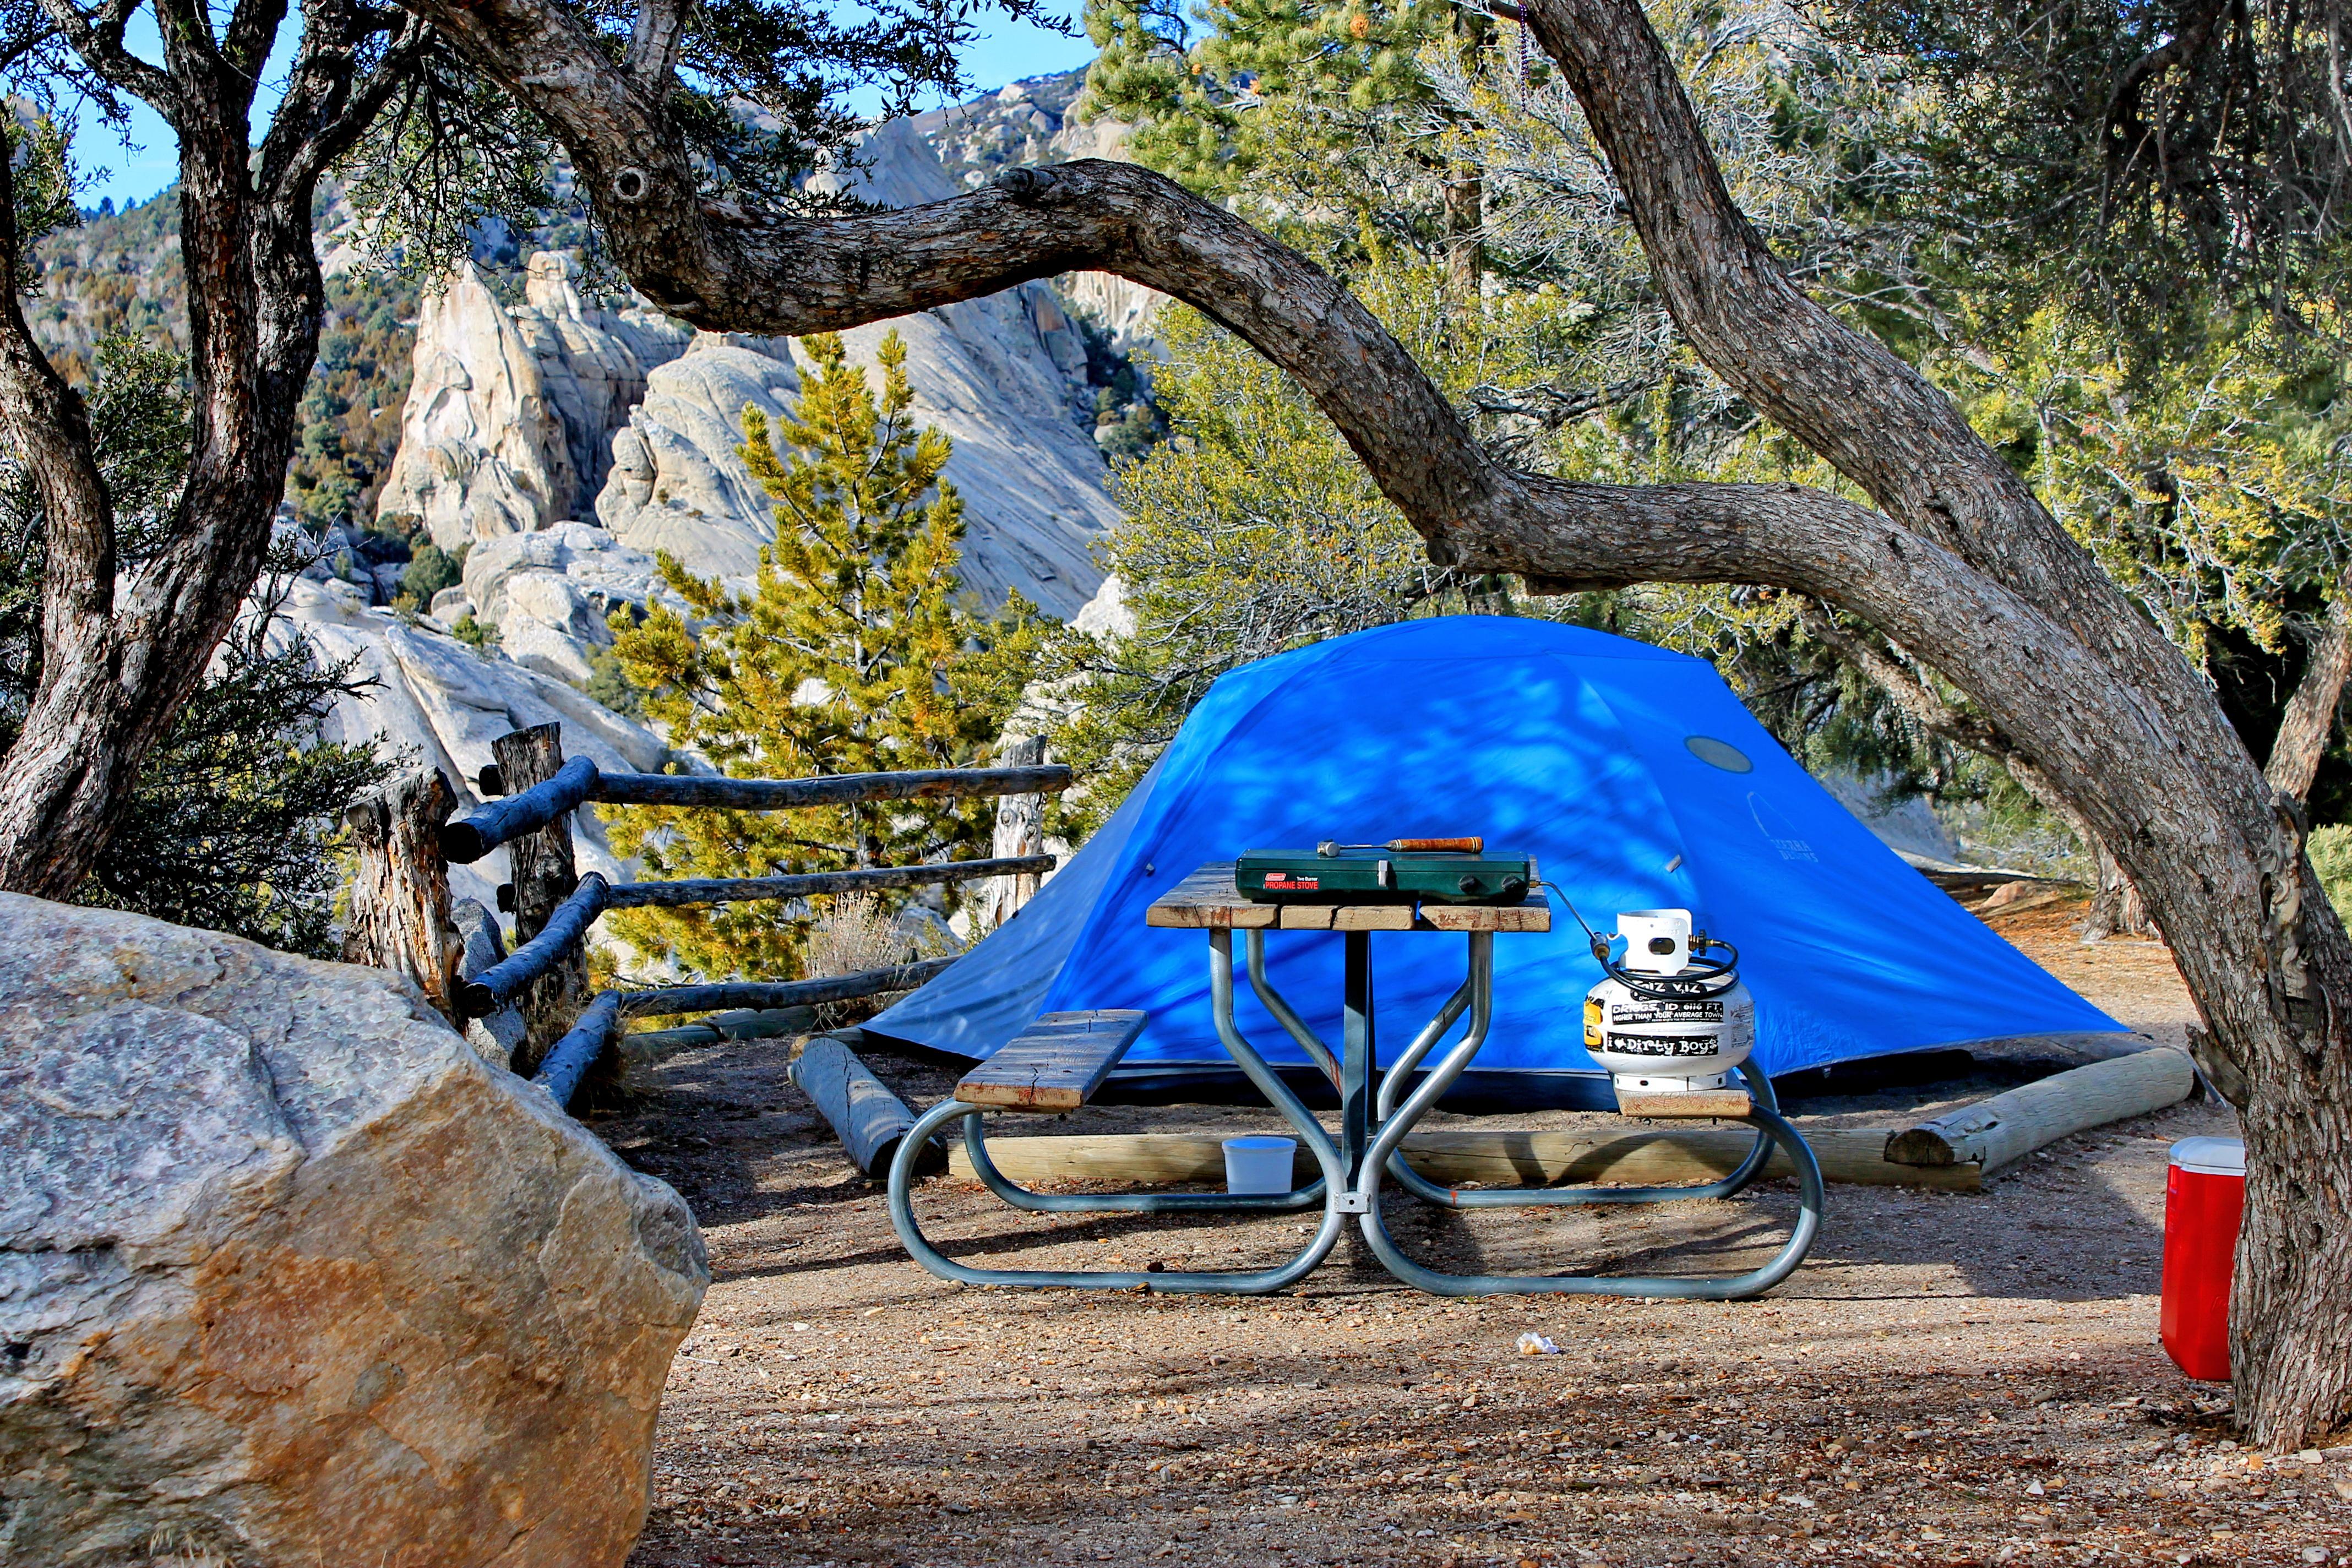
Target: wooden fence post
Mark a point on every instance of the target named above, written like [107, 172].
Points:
[400, 894]
[541, 869]
[1020, 830]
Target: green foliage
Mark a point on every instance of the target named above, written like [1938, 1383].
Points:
[431, 569]
[1263, 86]
[2140, 162]
[234, 824]
[450, 152]
[2330, 848]
[350, 408]
[2197, 449]
[608, 678]
[849, 654]
[41, 187]
[475, 635]
[234, 821]
[1254, 529]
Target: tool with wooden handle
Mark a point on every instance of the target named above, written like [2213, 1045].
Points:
[1330, 847]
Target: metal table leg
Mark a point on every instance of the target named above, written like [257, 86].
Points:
[1383, 1158]
[1333, 1188]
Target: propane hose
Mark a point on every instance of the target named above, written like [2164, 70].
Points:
[1703, 978]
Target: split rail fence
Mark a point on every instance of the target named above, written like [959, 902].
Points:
[401, 916]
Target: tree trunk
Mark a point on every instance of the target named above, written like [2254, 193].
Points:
[1956, 563]
[2310, 719]
[2116, 908]
[123, 646]
[400, 917]
[1465, 239]
[541, 866]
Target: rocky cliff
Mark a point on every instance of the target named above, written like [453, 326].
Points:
[560, 410]
[511, 412]
[564, 441]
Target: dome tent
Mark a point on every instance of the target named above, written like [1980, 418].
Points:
[1633, 775]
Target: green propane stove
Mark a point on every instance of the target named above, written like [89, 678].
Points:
[1401, 871]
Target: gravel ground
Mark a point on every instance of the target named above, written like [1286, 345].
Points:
[1950, 1379]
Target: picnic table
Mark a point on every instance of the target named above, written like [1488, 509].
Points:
[1058, 1063]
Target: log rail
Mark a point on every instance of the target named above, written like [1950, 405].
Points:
[404, 846]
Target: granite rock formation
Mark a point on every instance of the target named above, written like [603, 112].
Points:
[511, 412]
[290, 1275]
[441, 704]
[552, 593]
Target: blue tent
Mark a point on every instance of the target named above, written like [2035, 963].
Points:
[1634, 777]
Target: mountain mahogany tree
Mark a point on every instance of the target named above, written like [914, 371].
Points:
[427, 146]
[1954, 562]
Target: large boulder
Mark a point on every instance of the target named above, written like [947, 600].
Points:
[290, 1275]
[552, 595]
[678, 483]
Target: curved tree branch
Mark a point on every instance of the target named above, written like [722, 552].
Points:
[1960, 565]
[97, 36]
[2309, 722]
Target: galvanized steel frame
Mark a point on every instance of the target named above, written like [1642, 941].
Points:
[1372, 1128]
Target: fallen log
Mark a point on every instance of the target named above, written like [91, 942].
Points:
[1460, 1156]
[649, 1046]
[1999, 1132]
[869, 1119]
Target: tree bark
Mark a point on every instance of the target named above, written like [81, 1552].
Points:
[2310, 719]
[1020, 830]
[541, 866]
[2116, 908]
[1955, 563]
[123, 647]
[400, 917]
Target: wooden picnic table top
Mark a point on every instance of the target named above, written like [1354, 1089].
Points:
[1207, 900]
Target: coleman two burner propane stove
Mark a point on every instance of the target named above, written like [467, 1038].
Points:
[1402, 870]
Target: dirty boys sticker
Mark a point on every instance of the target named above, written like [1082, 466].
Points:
[1663, 1045]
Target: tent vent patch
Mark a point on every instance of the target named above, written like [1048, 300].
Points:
[1717, 753]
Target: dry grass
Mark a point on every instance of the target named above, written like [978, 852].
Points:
[861, 932]
[858, 932]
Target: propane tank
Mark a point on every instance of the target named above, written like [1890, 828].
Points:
[1670, 1016]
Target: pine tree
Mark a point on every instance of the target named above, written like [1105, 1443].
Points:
[849, 654]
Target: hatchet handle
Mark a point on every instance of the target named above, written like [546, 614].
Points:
[1438, 846]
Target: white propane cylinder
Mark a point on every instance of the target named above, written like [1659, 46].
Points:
[1690, 1030]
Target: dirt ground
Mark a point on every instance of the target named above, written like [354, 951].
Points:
[1950, 1379]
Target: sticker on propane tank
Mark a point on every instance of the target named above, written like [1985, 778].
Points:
[1592, 1024]
[1645, 1012]
[1663, 1045]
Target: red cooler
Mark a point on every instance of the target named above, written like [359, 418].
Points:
[2204, 1197]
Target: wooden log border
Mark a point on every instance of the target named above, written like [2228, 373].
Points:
[578, 781]
[599, 1027]
[1995, 1133]
[870, 1120]
[1953, 1153]
[1462, 1156]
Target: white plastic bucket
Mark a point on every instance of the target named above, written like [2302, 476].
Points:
[1259, 1164]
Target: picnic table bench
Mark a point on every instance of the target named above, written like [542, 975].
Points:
[1056, 1063]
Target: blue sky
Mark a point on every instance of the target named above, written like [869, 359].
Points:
[1007, 52]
